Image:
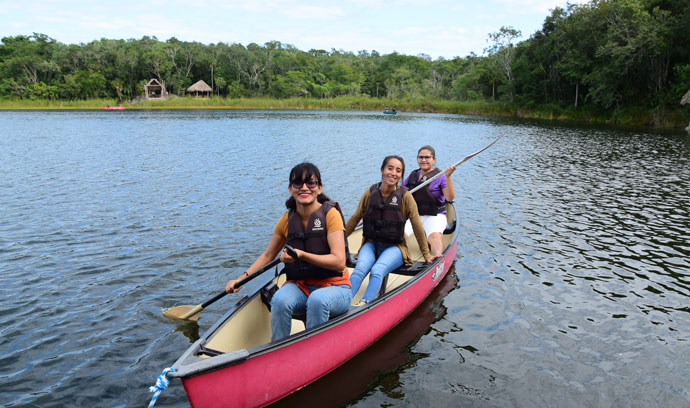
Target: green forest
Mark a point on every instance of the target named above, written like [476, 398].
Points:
[614, 60]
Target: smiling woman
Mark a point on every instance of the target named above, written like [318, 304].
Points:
[431, 199]
[384, 207]
[311, 232]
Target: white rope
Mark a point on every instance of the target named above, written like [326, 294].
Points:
[162, 383]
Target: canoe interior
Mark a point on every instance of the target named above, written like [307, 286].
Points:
[250, 327]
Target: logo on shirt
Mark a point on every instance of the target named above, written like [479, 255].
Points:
[317, 225]
[394, 201]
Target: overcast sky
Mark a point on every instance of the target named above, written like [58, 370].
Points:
[436, 28]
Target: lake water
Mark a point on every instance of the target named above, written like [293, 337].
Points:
[571, 285]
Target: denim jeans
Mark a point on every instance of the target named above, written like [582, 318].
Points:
[389, 259]
[320, 305]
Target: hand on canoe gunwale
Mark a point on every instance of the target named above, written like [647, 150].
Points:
[432, 258]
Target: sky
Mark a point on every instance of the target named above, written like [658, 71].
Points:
[435, 28]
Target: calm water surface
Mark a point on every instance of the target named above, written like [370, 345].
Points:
[571, 286]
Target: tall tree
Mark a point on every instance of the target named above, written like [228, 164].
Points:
[503, 52]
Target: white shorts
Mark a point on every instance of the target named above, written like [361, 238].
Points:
[431, 223]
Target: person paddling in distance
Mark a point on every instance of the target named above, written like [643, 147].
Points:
[317, 283]
[384, 207]
[431, 198]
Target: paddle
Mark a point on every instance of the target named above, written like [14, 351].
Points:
[191, 312]
[456, 165]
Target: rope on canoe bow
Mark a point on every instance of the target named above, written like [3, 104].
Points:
[162, 383]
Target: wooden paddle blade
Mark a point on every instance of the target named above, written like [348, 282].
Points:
[183, 312]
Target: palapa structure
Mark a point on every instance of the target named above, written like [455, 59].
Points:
[685, 100]
[200, 87]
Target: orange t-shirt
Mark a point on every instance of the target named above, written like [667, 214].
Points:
[333, 223]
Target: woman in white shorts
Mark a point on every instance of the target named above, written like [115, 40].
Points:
[432, 197]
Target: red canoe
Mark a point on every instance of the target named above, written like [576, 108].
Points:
[114, 107]
[236, 365]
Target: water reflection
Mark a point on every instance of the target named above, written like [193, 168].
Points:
[189, 329]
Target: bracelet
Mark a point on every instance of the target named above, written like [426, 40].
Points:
[245, 274]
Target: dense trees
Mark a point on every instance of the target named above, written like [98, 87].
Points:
[608, 54]
[604, 55]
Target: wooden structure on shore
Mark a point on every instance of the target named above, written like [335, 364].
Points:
[155, 90]
[200, 87]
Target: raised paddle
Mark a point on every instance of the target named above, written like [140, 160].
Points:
[456, 165]
[191, 312]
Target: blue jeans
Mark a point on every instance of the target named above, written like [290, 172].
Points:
[319, 306]
[389, 259]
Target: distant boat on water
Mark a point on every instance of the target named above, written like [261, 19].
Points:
[114, 107]
[387, 111]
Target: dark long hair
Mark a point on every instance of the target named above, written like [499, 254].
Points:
[305, 171]
[429, 148]
[394, 156]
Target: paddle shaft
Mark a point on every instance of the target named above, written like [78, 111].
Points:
[456, 165]
[242, 282]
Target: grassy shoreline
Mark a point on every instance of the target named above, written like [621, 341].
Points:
[631, 117]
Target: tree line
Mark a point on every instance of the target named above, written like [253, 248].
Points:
[603, 55]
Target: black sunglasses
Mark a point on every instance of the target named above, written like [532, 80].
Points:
[311, 184]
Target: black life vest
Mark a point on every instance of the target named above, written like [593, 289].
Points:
[427, 204]
[383, 221]
[314, 240]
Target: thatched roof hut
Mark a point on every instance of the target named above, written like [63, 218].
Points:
[686, 99]
[200, 87]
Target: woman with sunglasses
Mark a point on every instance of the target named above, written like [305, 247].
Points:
[317, 283]
[384, 207]
[431, 198]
